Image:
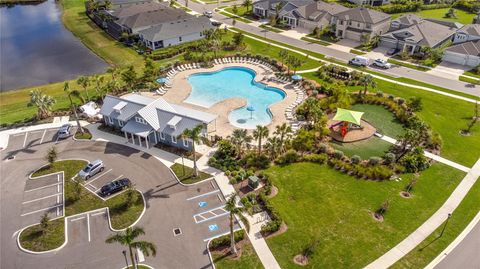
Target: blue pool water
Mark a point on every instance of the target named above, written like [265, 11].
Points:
[211, 88]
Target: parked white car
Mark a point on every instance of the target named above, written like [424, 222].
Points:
[382, 63]
[359, 61]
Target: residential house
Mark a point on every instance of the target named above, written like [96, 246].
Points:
[469, 32]
[361, 23]
[369, 2]
[405, 21]
[175, 32]
[422, 33]
[306, 14]
[146, 121]
[467, 53]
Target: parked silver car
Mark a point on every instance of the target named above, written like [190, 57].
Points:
[91, 169]
[64, 131]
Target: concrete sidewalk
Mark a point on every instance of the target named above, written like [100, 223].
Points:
[429, 226]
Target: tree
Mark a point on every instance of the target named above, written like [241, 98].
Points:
[410, 139]
[367, 80]
[238, 39]
[235, 9]
[149, 72]
[475, 118]
[284, 132]
[259, 133]
[412, 183]
[273, 147]
[84, 82]
[107, 4]
[51, 156]
[99, 80]
[239, 138]
[43, 103]
[283, 55]
[415, 103]
[295, 63]
[247, 4]
[77, 190]
[44, 222]
[304, 140]
[129, 76]
[383, 209]
[76, 94]
[234, 210]
[127, 238]
[194, 135]
[114, 72]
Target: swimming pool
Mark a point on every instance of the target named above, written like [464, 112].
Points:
[213, 87]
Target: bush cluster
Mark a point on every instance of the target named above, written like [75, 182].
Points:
[224, 241]
[275, 220]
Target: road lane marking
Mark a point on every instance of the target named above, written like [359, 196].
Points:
[43, 136]
[40, 210]
[108, 171]
[41, 198]
[25, 140]
[88, 226]
[201, 195]
[43, 187]
[75, 219]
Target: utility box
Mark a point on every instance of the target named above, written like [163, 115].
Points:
[253, 182]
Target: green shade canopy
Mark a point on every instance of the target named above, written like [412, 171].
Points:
[348, 116]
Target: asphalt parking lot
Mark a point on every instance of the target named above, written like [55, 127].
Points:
[95, 183]
[194, 212]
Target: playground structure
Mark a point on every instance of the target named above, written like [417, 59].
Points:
[347, 126]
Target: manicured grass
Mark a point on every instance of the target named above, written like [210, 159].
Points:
[237, 18]
[241, 10]
[420, 83]
[53, 237]
[85, 136]
[121, 216]
[320, 203]
[431, 247]
[316, 41]
[270, 28]
[462, 16]
[412, 66]
[382, 119]
[471, 73]
[469, 80]
[188, 178]
[249, 259]
[446, 115]
[358, 52]
[373, 146]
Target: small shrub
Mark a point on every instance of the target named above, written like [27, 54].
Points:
[315, 158]
[322, 148]
[290, 156]
[391, 96]
[338, 154]
[270, 227]
[374, 160]
[379, 94]
[52, 155]
[400, 101]
[224, 241]
[389, 158]
[356, 159]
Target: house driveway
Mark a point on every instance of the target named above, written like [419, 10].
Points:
[345, 45]
[449, 70]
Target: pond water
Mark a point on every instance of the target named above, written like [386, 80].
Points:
[36, 49]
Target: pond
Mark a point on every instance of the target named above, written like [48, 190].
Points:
[36, 49]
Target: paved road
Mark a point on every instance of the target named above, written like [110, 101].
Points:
[466, 255]
[169, 206]
[343, 56]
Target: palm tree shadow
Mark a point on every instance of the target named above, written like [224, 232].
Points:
[431, 242]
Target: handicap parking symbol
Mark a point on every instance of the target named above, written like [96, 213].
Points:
[213, 227]
[202, 204]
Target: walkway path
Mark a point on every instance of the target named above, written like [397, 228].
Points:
[429, 226]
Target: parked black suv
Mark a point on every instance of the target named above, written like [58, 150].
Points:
[115, 186]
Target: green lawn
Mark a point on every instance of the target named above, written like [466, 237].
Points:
[462, 16]
[241, 10]
[237, 18]
[270, 28]
[188, 178]
[373, 146]
[471, 73]
[446, 115]
[320, 203]
[469, 80]
[434, 244]
[249, 259]
[412, 66]
[357, 52]
[316, 41]
[120, 216]
[382, 119]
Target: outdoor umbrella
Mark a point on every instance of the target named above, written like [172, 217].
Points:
[162, 80]
[251, 109]
[297, 77]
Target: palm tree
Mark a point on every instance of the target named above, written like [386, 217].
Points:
[127, 238]
[76, 94]
[129, 76]
[194, 135]
[232, 208]
[98, 84]
[284, 131]
[273, 147]
[43, 103]
[260, 133]
[247, 4]
[240, 137]
[84, 81]
[367, 80]
[114, 72]
[108, 4]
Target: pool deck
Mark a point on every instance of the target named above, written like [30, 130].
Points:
[181, 89]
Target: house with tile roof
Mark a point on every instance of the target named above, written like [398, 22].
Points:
[467, 53]
[360, 23]
[146, 122]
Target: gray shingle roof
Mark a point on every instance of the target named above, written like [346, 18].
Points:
[471, 29]
[409, 19]
[134, 9]
[424, 33]
[319, 10]
[175, 29]
[154, 17]
[364, 15]
[468, 48]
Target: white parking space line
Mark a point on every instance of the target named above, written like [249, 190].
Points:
[141, 257]
[200, 215]
[92, 186]
[36, 132]
[75, 219]
[41, 198]
[97, 214]
[40, 210]
[47, 186]
[88, 226]
[43, 136]
[25, 140]
[202, 195]
[99, 176]
[15, 135]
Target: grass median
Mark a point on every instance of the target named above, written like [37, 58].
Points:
[122, 212]
[185, 174]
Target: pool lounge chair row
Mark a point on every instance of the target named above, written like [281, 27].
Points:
[289, 111]
[231, 60]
